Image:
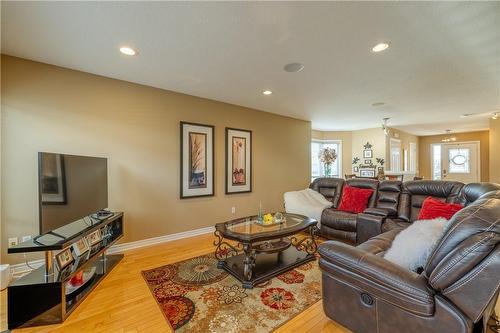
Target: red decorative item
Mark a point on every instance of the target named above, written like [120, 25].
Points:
[355, 200]
[77, 279]
[433, 208]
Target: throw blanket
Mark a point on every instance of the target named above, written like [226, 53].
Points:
[306, 202]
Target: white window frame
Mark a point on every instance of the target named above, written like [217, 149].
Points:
[339, 156]
[398, 143]
[413, 157]
[432, 161]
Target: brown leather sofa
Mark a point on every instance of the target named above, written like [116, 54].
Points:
[413, 193]
[336, 224]
[393, 205]
[455, 293]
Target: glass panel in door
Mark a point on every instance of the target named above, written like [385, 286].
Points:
[460, 162]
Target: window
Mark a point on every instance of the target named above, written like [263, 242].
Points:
[395, 150]
[317, 168]
[436, 161]
[413, 157]
[459, 160]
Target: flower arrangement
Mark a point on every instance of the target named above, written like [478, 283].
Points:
[327, 156]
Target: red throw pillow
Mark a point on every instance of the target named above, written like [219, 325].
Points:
[433, 208]
[355, 200]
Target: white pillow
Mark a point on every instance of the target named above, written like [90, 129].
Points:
[412, 247]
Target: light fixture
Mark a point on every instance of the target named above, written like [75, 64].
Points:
[378, 104]
[449, 138]
[494, 116]
[267, 92]
[380, 47]
[128, 51]
[384, 126]
[293, 67]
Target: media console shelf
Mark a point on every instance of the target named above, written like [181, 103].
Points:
[40, 297]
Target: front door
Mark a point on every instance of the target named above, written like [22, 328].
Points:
[460, 162]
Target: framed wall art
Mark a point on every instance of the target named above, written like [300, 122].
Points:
[367, 172]
[367, 153]
[238, 161]
[197, 160]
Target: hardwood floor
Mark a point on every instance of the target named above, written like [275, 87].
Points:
[123, 303]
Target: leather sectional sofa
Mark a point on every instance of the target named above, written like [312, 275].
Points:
[393, 204]
[458, 288]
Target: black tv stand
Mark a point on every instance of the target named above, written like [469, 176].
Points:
[39, 298]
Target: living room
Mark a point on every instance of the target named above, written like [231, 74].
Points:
[406, 95]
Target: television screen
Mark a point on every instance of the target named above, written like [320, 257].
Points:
[70, 188]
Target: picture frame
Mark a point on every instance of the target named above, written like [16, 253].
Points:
[367, 172]
[94, 237]
[64, 258]
[369, 162]
[355, 169]
[80, 247]
[238, 174]
[197, 160]
[367, 153]
[53, 179]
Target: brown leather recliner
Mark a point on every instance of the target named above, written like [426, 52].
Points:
[413, 193]
[338, 224]
[455, 293]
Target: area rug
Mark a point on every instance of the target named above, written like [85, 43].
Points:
[196, 296]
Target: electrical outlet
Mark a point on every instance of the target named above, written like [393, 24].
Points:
[233, 210]
[26, 238]
[12, 241]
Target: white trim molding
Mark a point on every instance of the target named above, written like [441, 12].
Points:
[21, 269]
[158, 240]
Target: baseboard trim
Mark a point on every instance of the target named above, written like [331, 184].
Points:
[22, 268]
[158, 240]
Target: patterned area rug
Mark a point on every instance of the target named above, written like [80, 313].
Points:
[196, 296]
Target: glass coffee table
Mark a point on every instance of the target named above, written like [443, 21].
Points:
[260, 252]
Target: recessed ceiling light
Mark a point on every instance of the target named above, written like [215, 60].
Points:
[380, 47]
[267, 92]
[127, 51]
[294, 67]
[378, 104]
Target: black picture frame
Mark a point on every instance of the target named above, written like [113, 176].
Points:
[185, 191]
[367, 153]
[369, 162]
[230, 186]
[64, 258]
[355, 169]
[367, 172]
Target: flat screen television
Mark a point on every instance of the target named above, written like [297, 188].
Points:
[70, 188]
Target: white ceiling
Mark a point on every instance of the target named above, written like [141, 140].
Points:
[444, 58]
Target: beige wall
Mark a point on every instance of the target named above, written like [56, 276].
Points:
[48, 108]
[425, 151]
[353, 142]
[376, 137]
[346, 138]
[494, 140]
